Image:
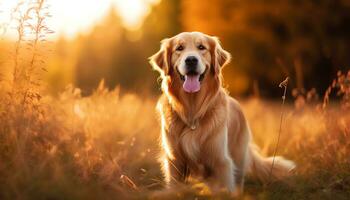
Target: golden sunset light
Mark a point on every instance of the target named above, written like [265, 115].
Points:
[78, 16]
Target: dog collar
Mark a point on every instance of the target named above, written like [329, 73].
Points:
[193, 125]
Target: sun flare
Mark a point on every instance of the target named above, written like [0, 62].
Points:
[72, 17]
[133, 12]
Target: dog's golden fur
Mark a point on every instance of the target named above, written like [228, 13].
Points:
[205, 134]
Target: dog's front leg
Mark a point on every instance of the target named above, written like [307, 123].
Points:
[220, 164]
[223, 175]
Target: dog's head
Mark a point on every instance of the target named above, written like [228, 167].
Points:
[190, 58]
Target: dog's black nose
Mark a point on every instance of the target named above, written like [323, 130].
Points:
[191, 64]
[191, 61]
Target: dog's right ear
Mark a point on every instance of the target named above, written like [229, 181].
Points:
[160, 61]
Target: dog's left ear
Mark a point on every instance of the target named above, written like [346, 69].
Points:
[220, 57]
[160, 61]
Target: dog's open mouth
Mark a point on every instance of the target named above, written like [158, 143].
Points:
[191, 82]
[201, 77]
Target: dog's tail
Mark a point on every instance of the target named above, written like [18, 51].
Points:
[260, 166]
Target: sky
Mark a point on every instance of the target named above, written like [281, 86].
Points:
[70, 17]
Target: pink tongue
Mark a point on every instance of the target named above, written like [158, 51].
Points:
[192, 84]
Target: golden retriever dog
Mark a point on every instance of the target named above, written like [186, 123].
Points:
[204, 132]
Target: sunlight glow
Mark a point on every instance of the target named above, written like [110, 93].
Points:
[133, 11]
[70, 17]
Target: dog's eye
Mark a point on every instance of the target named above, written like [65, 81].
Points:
[180, 48]
[201, 47]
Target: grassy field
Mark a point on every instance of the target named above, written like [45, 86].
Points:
[105, 146]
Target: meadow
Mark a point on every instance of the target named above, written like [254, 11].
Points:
[106, 145]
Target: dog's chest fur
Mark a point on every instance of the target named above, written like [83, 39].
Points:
[187, 143]
[190, 143]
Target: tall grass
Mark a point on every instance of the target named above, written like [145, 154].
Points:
[106, 146]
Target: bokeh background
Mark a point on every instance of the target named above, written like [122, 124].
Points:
[309, 41]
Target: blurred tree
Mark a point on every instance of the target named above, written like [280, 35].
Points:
[97, 52]
[61, 65]
[119, 56]
[307, 40]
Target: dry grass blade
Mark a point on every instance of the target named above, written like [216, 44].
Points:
[284, 85]
[128, 182]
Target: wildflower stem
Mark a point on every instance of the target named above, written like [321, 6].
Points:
[284, 85]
